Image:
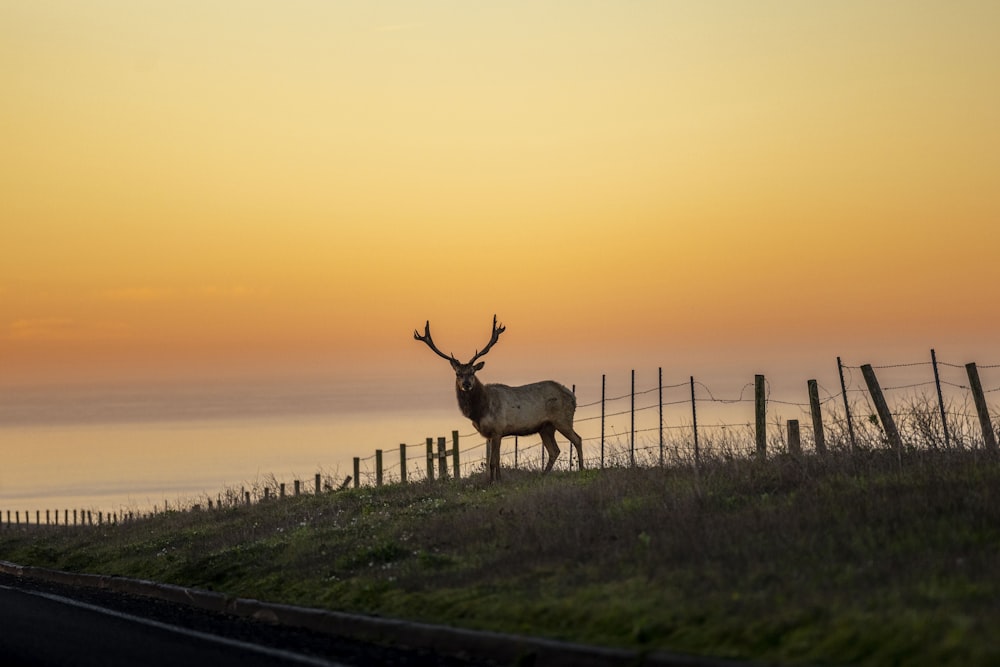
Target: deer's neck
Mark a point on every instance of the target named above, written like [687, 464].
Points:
[472, 403]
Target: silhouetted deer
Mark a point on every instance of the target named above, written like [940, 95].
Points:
[497, 410]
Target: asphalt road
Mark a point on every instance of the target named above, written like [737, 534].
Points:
[43, 624]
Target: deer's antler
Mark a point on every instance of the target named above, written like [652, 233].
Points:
[497, 330]
[426, 338]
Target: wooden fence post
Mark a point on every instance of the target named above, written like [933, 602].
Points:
[282, 494]
[694, 425]
[888, 423]
[442, 458]
[298, 487]
[357, 472]
[989, 437]
[378, 467]
[631, 437]
[760, 414]
[454, 453]
[660, 385]
[430, 458]
[937, 383]
[604, 379]
[847, 406]
[817, 416]
[794, 438]
[571, 448]
[402, 462]
[318, 487]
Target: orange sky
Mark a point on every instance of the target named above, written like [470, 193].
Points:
[201, 188]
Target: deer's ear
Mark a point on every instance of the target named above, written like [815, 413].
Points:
[454, 364]
[478, 367]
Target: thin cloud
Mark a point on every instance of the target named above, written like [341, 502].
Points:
[138, 294]
[233, 292]
[160, 294]
[60, 329]
[46, 328]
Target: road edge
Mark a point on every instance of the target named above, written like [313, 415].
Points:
[476, 645]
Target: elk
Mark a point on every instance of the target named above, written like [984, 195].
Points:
[497, 410]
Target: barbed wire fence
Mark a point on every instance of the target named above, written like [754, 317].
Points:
[666, 424]
[928, 404]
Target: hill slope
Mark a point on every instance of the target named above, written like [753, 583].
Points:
[861, 560]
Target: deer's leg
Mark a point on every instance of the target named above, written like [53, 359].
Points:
[548, 434]
[577, 441]
[495, 458]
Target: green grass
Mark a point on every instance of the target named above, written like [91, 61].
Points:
[861, 559]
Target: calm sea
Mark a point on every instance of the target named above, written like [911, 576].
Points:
[135, 447]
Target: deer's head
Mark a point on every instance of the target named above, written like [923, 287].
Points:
[465, 374]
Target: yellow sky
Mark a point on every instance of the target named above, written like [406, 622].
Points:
[192, 187]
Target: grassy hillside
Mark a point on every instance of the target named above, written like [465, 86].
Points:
[860, 560]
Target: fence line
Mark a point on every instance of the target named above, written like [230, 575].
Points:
[522, 451]
[440, 457]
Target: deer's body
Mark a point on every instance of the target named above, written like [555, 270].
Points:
[498, 410]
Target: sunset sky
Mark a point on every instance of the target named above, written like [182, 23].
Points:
[191, 189]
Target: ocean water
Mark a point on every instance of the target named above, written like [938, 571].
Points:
[132, 448]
